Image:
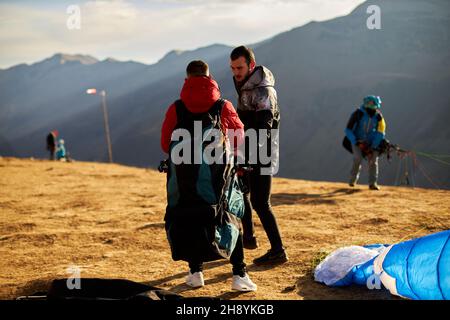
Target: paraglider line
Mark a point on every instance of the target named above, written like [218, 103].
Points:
[419, 165]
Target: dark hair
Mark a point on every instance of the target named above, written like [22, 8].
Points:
[197, 68]
[243, 51]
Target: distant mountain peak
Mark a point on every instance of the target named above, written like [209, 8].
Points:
[62, 58]
[110, 60]
[172, 54]
[207, 50]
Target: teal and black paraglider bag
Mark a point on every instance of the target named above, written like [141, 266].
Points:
[207, 232]
[205, 203]
[233, 208]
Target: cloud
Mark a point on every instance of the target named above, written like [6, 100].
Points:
[145, 30]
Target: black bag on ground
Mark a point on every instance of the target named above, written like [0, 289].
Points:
[103, 289]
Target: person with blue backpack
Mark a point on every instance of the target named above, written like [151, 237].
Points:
[202, 219]
[61, 154]
[365, 131]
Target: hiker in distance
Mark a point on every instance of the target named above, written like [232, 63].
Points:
[52, 143]
[193, 189]
[366, 129]
[61, 153]
[258, 108]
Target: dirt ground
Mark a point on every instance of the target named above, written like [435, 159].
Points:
[107, 219]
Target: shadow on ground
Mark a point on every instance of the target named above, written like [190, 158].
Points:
[34, 287]
[311, 290]
[278, 199]
[206, 266]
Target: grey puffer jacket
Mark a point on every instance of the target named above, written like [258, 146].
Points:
[258, 92]
[257, 105]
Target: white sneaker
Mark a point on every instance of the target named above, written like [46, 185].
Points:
[243, 283]
[195, 280]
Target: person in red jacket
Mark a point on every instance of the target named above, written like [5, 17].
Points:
[199, 94]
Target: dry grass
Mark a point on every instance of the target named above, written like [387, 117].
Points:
[108, 220]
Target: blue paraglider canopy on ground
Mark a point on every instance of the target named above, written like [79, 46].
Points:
[416, 269]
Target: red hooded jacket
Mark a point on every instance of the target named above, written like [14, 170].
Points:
[198, 95]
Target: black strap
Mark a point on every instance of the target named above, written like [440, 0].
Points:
[184, 115]
[354, 119]
[379, 116]
[217, 107]
[182, 112]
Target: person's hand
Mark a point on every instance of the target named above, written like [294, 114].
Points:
[240, 172]
[164, 166]
[360, 144]
[364, 147]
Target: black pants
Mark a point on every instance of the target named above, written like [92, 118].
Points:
[258, 196]
[52, 150]
[236, 259]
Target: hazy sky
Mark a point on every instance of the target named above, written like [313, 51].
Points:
[144, 30]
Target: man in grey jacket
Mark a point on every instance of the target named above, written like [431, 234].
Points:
[258, 109]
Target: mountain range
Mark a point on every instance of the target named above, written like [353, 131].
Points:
[322, 71]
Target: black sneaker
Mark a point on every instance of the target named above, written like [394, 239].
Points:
[250, 243]
[272, 257]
